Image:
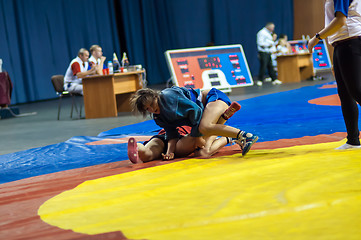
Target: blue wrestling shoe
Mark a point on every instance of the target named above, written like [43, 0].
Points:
[246, 142]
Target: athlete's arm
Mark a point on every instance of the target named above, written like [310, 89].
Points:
[333, 27]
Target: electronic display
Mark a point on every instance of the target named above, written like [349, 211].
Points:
[298, 46]
[222, 67]
[320, 57]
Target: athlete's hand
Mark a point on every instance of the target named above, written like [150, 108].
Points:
[313, 41]
[168, 156]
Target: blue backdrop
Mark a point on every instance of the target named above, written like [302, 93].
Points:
[40, 37]
[152, 27]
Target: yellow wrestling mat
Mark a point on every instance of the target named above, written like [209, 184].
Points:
[302, 192]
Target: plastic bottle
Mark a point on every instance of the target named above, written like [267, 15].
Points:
[1, 63]
[116, 64]
[110, 67]
[125, 61]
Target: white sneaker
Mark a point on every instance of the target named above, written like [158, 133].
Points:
[268, 79]
[276, 82]
[347, 146]
[259, 83]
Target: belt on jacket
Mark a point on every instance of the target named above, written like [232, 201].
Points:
[344, 40]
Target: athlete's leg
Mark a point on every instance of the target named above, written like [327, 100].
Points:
[208, 126]
[185, 146]
[232, 109]
[138, 152]
[152, 150]
[211, 115]
[215, 146]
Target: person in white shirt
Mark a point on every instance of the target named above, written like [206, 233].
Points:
[78, 68]
[97, 59]
[265, 44]
[273, 56]
[282, 47]
[343, 30]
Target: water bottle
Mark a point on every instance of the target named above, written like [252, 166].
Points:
[1, 63]
[110, 67]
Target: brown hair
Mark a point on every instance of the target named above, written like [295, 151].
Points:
[93, 48]
[141, 98]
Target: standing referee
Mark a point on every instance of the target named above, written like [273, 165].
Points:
[265, 45]
[343, 29]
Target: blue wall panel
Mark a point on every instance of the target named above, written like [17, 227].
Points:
[39, 38]
[152, 27]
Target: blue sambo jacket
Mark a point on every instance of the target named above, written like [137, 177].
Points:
[179, 106]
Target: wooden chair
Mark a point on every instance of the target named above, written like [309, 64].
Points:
[58, 84]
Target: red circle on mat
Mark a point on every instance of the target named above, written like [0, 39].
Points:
[332, 100]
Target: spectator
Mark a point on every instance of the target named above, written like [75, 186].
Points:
[283, 46]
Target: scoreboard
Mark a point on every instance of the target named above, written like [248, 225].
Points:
[222, 67]
[320, 57]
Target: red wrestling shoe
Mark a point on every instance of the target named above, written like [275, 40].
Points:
[234, 107]
[133, 151]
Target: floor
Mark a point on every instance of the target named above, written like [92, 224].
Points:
[40, 126]
[293, 184]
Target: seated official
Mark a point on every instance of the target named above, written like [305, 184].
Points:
[283, 46]
[97, 59]
[78, 68]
